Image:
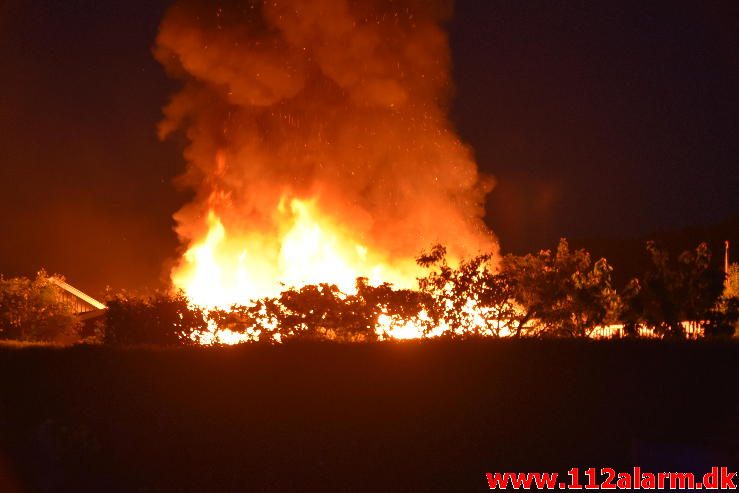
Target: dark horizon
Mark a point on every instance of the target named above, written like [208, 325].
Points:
[598, 121]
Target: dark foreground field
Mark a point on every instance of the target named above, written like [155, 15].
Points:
[389, 417]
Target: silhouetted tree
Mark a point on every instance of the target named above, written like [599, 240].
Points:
[562, 293]
[405, 304]
[471, 299]
[251, 320]
[672, 291]
[731, 284]
[323, 311]
[162, 319]
[318, 312]
[33, 310]
[724, 318]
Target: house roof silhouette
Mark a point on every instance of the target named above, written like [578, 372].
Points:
[80, 302]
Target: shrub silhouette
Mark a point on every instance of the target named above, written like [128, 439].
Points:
[161, 319]
[31, 310]
[563, 293]
[673, 291]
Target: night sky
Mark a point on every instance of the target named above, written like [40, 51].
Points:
[598, 119]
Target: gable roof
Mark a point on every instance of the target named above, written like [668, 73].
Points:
[78, 294]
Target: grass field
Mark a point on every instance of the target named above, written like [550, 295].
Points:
[418, 416]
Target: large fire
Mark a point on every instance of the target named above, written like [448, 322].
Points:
[319, 147]
[224, 269]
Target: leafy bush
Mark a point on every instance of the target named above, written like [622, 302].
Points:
[563, 293]
[32, 310]
[319, 312]
[470, 299]
[673, 291]
[724, 319]
[731, 284]
[162, 319]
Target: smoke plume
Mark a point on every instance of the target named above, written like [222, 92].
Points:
[339, 104]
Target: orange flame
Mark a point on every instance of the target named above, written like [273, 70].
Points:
[223, 269]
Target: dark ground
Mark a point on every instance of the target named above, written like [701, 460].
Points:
[389, 417]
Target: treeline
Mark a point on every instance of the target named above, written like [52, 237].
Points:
[560, 293]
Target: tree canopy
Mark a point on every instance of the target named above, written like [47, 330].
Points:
[32, 310]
